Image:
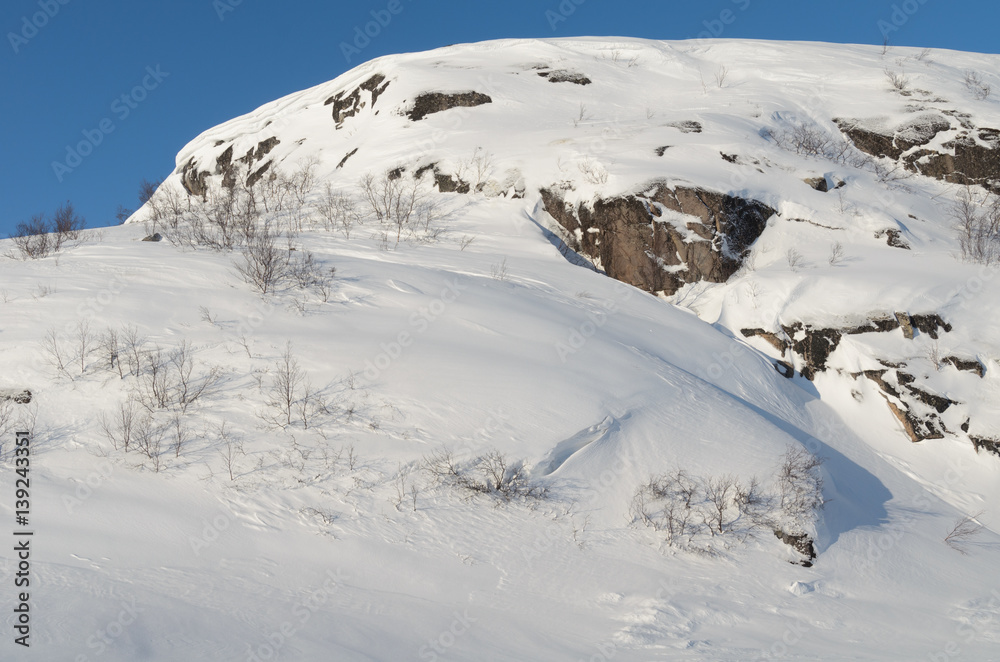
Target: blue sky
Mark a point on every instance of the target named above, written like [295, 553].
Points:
[137, 80]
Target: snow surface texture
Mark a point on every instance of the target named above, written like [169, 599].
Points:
[332, 542]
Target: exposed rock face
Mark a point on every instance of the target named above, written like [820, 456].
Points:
[910, 405]
[801, 543]
[818, 183]
[194, 181]
[639, 242]
[930, 324]
[21, 397]
[917, 409]
[347, 105]
[892, 143]
[971, 157]
[563, 76]
[450, 184]
[990, 445]
[436, 102]
[894, 238]
[347, 156]
[687, 126]
[967, 365]
[814, 345]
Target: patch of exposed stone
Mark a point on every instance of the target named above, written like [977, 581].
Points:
[894, 238]
[686, 126]
[563, 76]
[971, 157]
[966, 365]
[347, 105]
[436, 102]
[635, 246]
[347, 156]
[18, 396]
[801, 543]
[985, 443]
[194, 181]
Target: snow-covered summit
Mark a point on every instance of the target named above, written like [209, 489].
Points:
[633, 277]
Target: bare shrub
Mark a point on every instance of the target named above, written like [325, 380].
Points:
[794, 259]
[263, 263]
[965, 529]
[32, 238]
[66, 225]
[180, 433]
[397, 200]
[338, 211]
[119, 427]
[593, 172]
[492, 474]
[85, 341]
[974, 82]
[186, 388]
[133, 347]
[836, 254]
[55, 351]
[109, 346]
[721, 75]
[977, 219]
[897, 80]
[154, 379]
[230, 449]
[499, 271]
[690, 510]
[800, 489]
[284, 390]
[148, 439]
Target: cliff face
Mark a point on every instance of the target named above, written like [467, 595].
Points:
[639, 239]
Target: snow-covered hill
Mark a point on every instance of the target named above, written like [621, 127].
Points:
[608, 257]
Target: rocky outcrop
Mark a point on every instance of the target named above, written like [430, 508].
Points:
[347, 105]
[971, 157]
[686, 126]
[916, 409]
[967, 365]
[449, 183]
[194, 181]
[436, 102]
[871, 138]
[563, 76]
[801, 543]
[18, 396]
[346, 156]
[664, 238]
[987, 444]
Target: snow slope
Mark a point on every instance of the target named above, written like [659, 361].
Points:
[329, 541]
